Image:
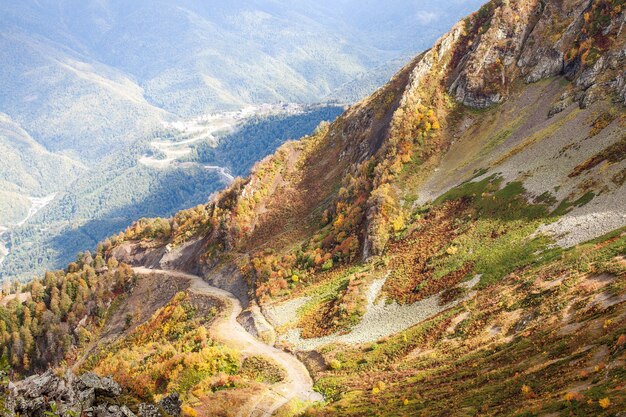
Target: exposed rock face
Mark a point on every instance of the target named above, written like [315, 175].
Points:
[532, 40]
[149, 410]
[493, 42]
[88, 395]
[255, 323]
[101, 386]
[551, 63]
[171, 404]
[620, 86]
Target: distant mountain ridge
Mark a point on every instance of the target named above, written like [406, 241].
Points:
[28, 170]
[112, 194]
[89, 76]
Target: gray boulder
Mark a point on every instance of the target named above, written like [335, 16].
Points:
[102, 386]
[171, 404]
[88, 395]
[149, 410]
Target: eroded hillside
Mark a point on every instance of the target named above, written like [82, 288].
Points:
[452, 245]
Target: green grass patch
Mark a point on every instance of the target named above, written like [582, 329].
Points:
[328, 290]
[566, 206]
[495, 248]
[491, 200]
[499, 237]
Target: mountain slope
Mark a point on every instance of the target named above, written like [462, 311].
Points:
[452, 245]
[69, 102]
[393, 125]
[450, 205]
[32, 171]
[121, 188]
[88, 77]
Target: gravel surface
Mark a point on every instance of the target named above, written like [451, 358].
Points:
[466, 156]
[380, 320]
[545, 166]
[603, 214]
[281, 314]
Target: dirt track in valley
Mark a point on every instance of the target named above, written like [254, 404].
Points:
[226, 329]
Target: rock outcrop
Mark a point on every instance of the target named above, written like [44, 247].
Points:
[87, 395]
[533, 40]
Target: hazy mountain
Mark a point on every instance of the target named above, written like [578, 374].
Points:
[27, 169]
[69, 102]
[366, 83]
[89, 76]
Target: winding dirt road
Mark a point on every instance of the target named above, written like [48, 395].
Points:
[226, 329]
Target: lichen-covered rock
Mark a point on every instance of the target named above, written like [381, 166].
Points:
[171, 404]
[87, 398]
[126, 411]
[89, 395]
[101, 385]
[105, 410]
[589, 75]
[619, 84]
[149, 410]
[559, 106]
[33, 395]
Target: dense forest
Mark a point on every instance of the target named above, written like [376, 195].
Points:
[43, 322]
[261, 136]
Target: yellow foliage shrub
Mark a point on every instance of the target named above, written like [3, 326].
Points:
[452, 250]
[604, 402]
[334, 364]
[187, 411]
